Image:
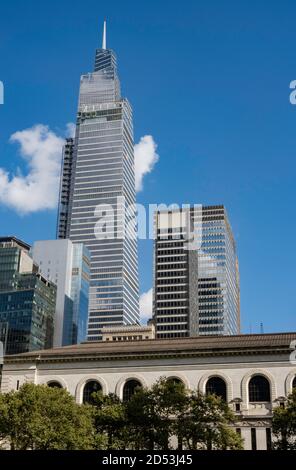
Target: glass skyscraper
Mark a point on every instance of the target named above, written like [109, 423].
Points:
[98, 184]
[218, 272]
[67, 264]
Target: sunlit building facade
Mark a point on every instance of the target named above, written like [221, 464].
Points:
[102, 188]
[218, 272]
[66, 264]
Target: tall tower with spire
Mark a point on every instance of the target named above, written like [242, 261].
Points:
[97, 195]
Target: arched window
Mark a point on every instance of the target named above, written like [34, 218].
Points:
[54, 384]
[175, 380]
[216, 386]
[130, 388]
[259, 389]
[294, 383]
[89, 388]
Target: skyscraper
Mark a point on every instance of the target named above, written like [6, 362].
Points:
[27, 300]
[175, 302]
[98, 182]
[196, 290]
[218, 272]
[67, 265]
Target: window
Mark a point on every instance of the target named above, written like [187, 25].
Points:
[216, 386]
[259, 389]
[54, 384]
[129, 389]
[237, 407]
[253, 439]
[175, 380]
[294, 382]
[90, 387]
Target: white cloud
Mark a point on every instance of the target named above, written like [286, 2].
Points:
[38, 189]
[71, 129]
[146, 305]
[41, 149]
[145, 159]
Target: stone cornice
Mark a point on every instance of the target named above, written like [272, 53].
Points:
[141, 356]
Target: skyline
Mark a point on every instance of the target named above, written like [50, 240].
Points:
[210, 165]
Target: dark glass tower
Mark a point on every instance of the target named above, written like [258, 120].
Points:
[98, 183]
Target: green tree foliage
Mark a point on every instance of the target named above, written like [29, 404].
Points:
[41, 418]
[152, 414]
[167, 409]
[206, 424]
[284, 424]
[109, 421]
[38, 417]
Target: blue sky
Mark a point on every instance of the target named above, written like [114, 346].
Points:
[209, 80]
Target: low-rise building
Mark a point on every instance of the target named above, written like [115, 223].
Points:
[253, 373]
[129, 332]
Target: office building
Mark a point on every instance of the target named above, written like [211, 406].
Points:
[98, 182]
[196, 280]
[66, 264]
[27, 300]
[218, 272]
[175, 302]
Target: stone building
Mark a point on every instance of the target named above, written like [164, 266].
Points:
[253, 373]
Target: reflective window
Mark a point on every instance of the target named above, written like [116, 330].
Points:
[259, 389]
[216, 386]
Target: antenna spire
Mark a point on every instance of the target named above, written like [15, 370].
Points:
[104, 36]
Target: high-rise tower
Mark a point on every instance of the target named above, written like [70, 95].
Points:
[97, 196]
[196, 285]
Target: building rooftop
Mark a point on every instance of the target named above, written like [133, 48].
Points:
[249, 344]
[126, 328]
[16, 241]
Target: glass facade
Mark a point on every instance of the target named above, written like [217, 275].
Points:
[67, 264]
[27, 301]
[75, 323]
[218, 274]
[102, 183]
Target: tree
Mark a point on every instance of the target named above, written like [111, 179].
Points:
[38, 417]
[284, 424]
[153, 414]
[109, 421]
[207, 422]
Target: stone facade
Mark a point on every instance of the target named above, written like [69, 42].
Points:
[235, 359]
